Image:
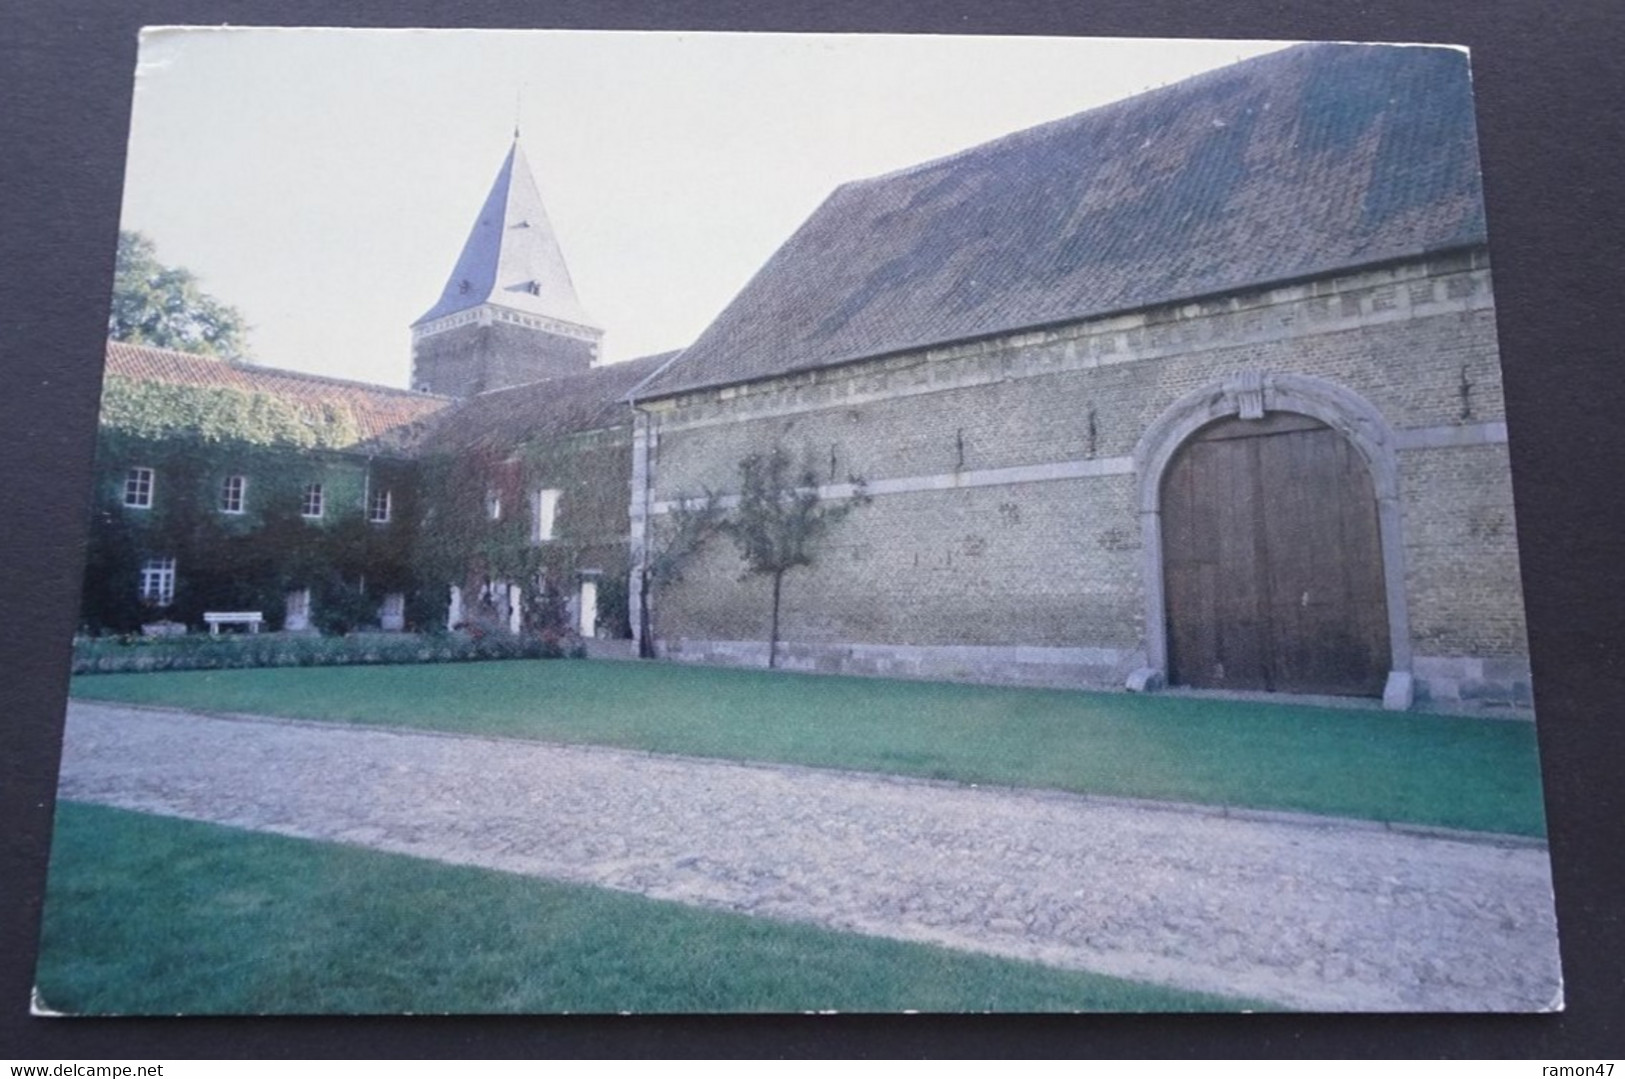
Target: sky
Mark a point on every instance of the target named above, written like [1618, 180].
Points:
[323, 181]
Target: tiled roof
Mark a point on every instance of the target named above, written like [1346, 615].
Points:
[572, 404]
[1291, 165]
[386, 418]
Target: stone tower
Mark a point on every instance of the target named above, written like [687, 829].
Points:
[508, 314]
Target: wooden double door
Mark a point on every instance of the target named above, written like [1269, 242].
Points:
[1272, 561]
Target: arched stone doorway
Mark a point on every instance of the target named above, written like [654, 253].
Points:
[1268, 450]
[1272, 561]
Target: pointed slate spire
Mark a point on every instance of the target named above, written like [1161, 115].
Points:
[512, 258]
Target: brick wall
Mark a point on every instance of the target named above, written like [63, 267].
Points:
[476, 357]
[1004, 515]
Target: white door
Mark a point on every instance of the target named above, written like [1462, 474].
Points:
[297, 618]
[516, 608]
[392, 615]
[589, 607]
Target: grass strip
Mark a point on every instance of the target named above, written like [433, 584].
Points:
[1402, 767]
[153, 915]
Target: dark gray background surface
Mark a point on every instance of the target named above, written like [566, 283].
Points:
[1551, 102]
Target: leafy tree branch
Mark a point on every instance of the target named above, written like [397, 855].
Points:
[164, 306]
[781, 519]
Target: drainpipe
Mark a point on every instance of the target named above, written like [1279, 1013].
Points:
[638, 524]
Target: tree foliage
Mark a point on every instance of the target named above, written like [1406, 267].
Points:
[667, 548]
[780, 520]
[163, 306]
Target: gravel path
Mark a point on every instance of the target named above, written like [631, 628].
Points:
[1311, 914]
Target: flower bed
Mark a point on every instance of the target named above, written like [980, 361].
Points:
[199, 652]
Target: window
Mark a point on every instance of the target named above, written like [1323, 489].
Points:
[138, 488]
[311, 504]
[158, 581]
[493, 505]
[546, 505]
[231, 494]
[378, 505]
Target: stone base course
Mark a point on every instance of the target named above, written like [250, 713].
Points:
[1062, 668]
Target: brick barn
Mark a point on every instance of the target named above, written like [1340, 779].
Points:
[1198, 388]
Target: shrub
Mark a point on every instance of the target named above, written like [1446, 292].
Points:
[340, 608]
[133, 653]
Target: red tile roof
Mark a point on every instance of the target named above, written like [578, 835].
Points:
[384, 417]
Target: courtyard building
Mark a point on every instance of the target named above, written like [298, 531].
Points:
[1198, 388]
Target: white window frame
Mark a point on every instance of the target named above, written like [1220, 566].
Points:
[544, 524]
[139, 482]
[157, 585]
[380, 504]
[233, 494]
[313, 502]
[493, 505]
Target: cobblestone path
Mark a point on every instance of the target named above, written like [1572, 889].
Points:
[1308, 914]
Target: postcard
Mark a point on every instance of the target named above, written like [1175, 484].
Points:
[599, 522]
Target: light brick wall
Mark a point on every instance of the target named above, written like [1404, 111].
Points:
[1031, 565]
[1461, 552]
[1057, 563]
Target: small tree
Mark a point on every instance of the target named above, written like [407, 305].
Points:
[667, 550]
[780, 521]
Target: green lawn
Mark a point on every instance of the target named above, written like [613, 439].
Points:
[1450, 771]
[150, 915]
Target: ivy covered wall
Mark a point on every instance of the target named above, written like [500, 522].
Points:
[214, 414]
[248, 560]
[461, 542]
[247, 552]
[440, 531]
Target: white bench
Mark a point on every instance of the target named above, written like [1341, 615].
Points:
[216, 619]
